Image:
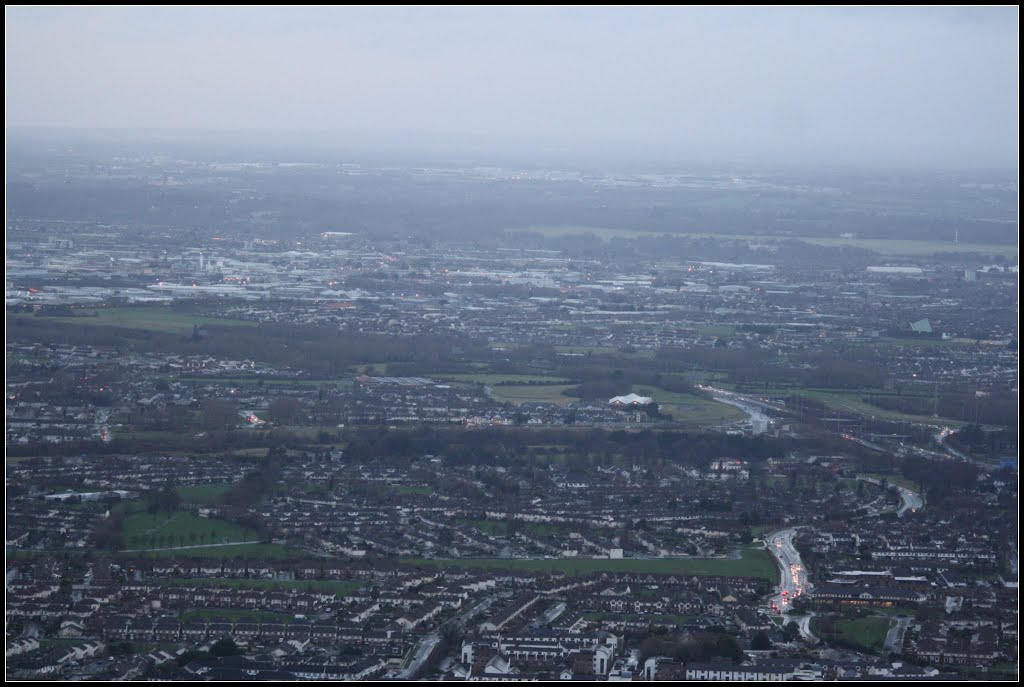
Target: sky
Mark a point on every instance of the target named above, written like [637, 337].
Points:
[934, 86]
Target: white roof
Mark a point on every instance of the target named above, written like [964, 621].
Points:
[630, 399]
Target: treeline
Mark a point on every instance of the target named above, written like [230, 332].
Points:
[940, 479]
[997, 409]
[511, 445]
[206, 442]
[317, 350]
[264, 481]
[975, 440]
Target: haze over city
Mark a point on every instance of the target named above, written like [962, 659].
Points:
[519, 344]
[889, 86]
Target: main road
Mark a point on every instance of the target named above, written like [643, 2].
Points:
[793, 580]
[427, 644]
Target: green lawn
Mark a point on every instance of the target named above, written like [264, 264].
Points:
[509, 379]
[203, 494]
[689, 408]
[850, 402]
[414, 491]
[144, 530]
[716, 330]
[533, 394]
[755, 563]
[912, 612]
[156, 318]
[258, 551]
[866, 633]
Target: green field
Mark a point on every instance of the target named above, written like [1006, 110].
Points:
[326, 586]
[414, 491]
[155, 318]
[914, 248]
[507, 379]
[851, 402]
[884, 247]
[912, 612]
[754, 563]
[142, 530]
[867, 633]
[691, 409]
[533, 394]
[716, 330]
[203, 494]
[259, 551]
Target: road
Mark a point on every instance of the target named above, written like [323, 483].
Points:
[894, 638]
[909, 500]
[751, 407]
[793, 580]
[941, 437]
[427, 644]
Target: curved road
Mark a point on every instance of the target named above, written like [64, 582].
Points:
[793, 580]
[909, 500]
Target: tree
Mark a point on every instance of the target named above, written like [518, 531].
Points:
[791, 631]
[285, 410]
[760, 642]
[224, 647]
[218, 414]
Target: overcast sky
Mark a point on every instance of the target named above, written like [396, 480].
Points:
[916, 85]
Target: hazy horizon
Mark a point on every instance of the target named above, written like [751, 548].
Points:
[903, 87]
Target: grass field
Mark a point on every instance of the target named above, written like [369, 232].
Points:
[867, 633]
[144, 530]
[406, 490]
[533, 394]
[691, 409]
[261, 551]
[716, 330]
[851, 402]
[149, 318]
[327, 586]
[203, 494]
[912, 612]
[509, 379]
[884, 247]
[754, 563]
